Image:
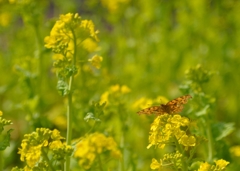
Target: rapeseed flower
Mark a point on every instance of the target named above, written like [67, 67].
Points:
[114, 92]
[167, 160]
[166, 128]
[36, 145]
[67, 29]
[220, 165]
[96, 61]
[155, 164]
[90, 45]
[235, 150]
[90, 147]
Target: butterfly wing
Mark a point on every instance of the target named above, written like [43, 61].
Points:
[152, 110]
[173, 106]
[176, 105]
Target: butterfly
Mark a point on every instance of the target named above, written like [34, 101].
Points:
[172, 107]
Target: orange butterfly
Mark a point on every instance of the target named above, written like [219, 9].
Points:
[174, 106]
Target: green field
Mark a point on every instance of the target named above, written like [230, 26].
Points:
[74, 74]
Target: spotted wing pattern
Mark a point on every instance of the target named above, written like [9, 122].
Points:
[173, 106]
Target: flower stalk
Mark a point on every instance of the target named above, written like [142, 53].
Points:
[69, 107]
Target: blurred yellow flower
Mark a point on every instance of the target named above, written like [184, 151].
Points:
[1, 113]
[221, 164]
[90, 45]
[5, 19]
[115, 88]
[93, 145]
[55, 144]
[204, 167]
[115, 92]
[56, 135]
[113, 6]
[155, 164]
[142, 103]
[96, 61]
[125, 89]
[104, 97]
[60, 122]
[187, 140]
[235, 150]
[88, 25]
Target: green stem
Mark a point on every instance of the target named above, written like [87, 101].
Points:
[183, 158]
[47, 159]
[70, 106]
[69, 126]
[210, 141]
[100, 162]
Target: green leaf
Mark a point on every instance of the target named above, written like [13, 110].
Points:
[204, 111]
[221, 130]
[5, 140]
[90, 116]
[62, 87]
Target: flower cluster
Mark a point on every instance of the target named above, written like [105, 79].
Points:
[169, 128]
[114, 92]
[66, 31]
[146, 102]
[90, 148]
[220, 165]
[168, 159]
[68, 34]
[3, 122]
[43, 146]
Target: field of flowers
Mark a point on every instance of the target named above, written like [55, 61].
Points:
[119, 85]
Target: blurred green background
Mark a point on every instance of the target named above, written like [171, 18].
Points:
[145, 45]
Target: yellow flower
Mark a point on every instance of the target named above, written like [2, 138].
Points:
[113, 6]
[90, 45]
[187, 140]
[96, 61]
[221, 164]
[67, 29]
[165, 127]
[56, 135]
[142, 103]
[33, 155]
[45, 140]
[235, 150]
[104, 97]
[155, 164]
[125, 89]
[204, 167]
[69, 18]
[115, 88]
[1, 113]
[92, 145]
[88, 25]
[55, 144]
